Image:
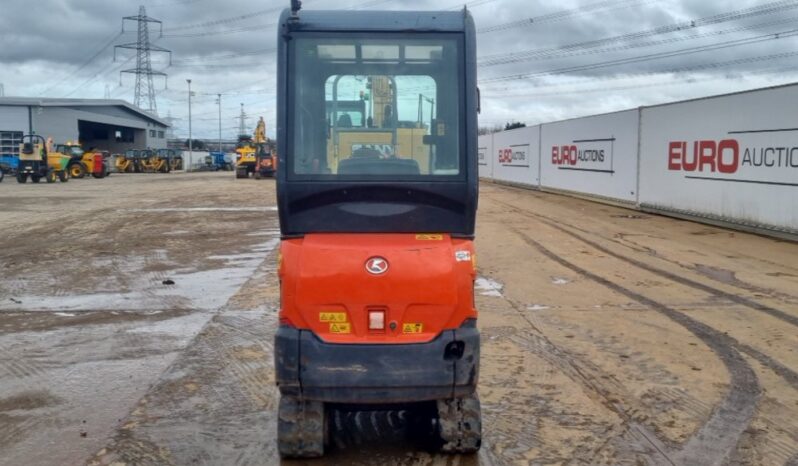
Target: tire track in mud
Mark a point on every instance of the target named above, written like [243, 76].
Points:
[725, 277]
[717, 439]
[15, 366]
[783, 371]
[556, 224]
[601, 387]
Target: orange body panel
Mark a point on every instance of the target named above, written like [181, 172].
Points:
[326, 287]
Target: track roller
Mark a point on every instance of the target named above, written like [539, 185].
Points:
[300, 428]
[460, 424]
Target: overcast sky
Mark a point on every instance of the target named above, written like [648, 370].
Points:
[539, 60]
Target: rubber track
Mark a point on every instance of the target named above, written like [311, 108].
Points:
[460, 423]
[717, 439]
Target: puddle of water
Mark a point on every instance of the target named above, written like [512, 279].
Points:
[177, 233]
[488, 287]
[207, 209]
[716, 273]
[106, 369]
[192, 289]
[275, 232]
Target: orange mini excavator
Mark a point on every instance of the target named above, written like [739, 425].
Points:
[377, 205]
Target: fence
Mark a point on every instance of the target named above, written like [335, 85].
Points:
[730, 160]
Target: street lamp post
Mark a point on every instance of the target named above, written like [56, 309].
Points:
[220, 121]
[190, 142]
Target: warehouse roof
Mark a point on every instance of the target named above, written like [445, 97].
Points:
[51, 102]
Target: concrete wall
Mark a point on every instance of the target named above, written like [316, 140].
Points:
[594, 155]
[731, 159]
[516, 156]
[485, 156]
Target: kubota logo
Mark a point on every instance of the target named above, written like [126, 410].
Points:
[376, 266]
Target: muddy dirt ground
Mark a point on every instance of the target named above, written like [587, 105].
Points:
[137, 315]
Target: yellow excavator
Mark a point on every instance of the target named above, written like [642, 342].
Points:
[370, 126]
[248, 149]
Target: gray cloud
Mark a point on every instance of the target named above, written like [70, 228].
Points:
[225, 47]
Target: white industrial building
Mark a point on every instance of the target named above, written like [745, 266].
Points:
[112, 125]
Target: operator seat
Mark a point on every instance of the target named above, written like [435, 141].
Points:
[377, 166]
[345, 121]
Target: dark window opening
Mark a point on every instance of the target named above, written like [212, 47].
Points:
[124, 135]
[9, 142]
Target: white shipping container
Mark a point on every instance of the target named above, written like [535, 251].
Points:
[484, 159]
[194, 160]
[594, 155]
[732, 158]
[516, 156]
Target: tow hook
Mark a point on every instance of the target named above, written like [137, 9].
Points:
[454, 351]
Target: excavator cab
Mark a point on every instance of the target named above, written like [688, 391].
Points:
[377, 197]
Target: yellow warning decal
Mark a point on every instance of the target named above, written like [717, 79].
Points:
[427, 237]
[341, 328]
[413, 328]
[332, 316]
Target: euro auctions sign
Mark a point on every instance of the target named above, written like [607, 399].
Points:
[590, 155]
[514, 156]
[757, 157]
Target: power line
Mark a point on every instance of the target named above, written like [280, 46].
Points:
[189, 61]
[649, 57]
[684, 69]
[735, 15]
[684, 80]
[560, 15]
[232, 19]
[263, 27]
[75, 72]
[516, 58]
[98, 75]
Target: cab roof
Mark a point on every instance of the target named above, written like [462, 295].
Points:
[371, 21]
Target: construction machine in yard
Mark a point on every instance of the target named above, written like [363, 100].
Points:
[154, 161]
[174, 159]
[124, 163]
[38, 162]
[147, 161]
[267, 162]
[377, 218]
[246, 156]
[8, 165]
[216, 161]
[250, 151]
[83, 163]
